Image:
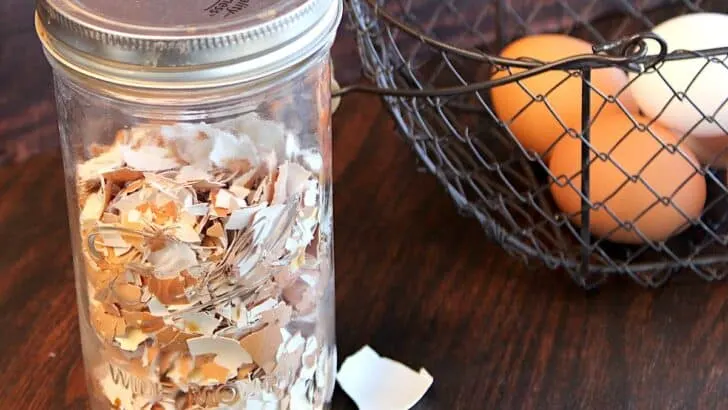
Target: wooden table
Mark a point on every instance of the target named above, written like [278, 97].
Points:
[415, 280]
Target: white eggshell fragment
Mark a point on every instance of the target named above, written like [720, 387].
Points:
[228, 352]
[379, 383]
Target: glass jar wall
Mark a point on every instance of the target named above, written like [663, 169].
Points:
[202, 231]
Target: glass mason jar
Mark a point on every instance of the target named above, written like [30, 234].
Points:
[196, 143]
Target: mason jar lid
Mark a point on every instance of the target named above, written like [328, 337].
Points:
[184, 43]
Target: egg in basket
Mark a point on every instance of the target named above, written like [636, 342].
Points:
[592, 142]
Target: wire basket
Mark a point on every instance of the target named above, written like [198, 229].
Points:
[435, 62]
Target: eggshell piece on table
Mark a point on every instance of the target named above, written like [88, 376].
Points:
[704, 83]
[379, 383]
[638, 153]
[531, 120]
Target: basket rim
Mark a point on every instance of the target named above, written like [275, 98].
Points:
[628, 53]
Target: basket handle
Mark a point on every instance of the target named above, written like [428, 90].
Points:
[629, 53]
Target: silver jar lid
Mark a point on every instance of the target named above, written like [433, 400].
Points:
[184, 43]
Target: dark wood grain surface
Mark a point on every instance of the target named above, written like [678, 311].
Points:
[415, 280]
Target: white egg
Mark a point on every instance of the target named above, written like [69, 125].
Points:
[703, 82]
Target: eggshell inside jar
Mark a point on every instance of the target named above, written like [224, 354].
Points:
[634, 152]
[539, 123]
[701, 84]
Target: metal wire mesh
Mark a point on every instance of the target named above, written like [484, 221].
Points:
[486, 170]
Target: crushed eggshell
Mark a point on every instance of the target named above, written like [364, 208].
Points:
[378, 383]
[151, 158]
[213, 373]
[190, 142]
[263, 345]
[186, 233]
[197, 323]
[197, 209]
[263, 401]
[227, 147]
[243, 217]
[226, 199]
[291, 345]
[301, 296]
[123, 398]
[228, 352]
[280, 315]
[193, 233]
[156, 308]
[299, 396]
[93, 208]
[255, 312]
[122, 175]
[112, 238]
[267, 135]
[144, 321]
[181, 368]
[100, 164]
[309, 357]
[132, 339]
[108, 325]
[265, 221]
[127, 294]
[298, 179]
[172, 259]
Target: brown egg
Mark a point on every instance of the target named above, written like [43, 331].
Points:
[532, 121]
[637, 153]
